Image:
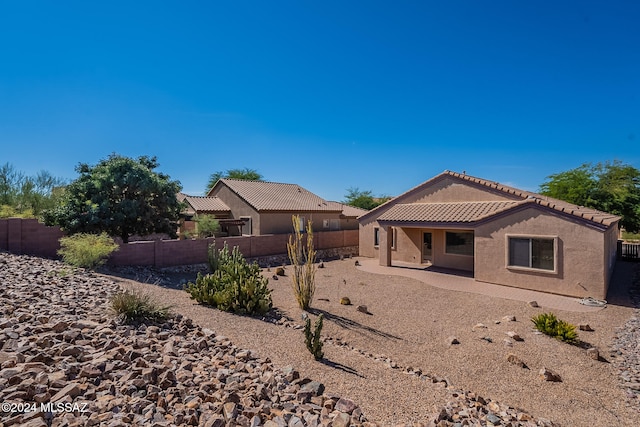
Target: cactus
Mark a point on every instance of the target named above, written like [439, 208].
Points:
[312, 339]
[234, 285]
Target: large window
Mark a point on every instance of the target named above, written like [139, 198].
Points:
[532, 252]
[459, 243]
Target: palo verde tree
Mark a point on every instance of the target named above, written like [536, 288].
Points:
[612, 187]
[26, 196]
[120, 196]
[245, 174]
[363, 199]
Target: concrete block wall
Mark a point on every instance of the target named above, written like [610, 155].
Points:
[28, 236]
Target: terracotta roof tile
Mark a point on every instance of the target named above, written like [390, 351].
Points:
[274, 196]
[206, 204]
[455, 212]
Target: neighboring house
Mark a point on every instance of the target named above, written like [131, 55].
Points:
[259, 208]
[499, 234]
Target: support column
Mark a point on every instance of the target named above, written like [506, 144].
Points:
[385, 245]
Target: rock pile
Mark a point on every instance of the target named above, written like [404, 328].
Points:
[625, 350]
[66, 361]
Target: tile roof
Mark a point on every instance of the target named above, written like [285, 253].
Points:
[349, 211]
[455, 212]
[206, 204]
[580, 212]
[274, 196]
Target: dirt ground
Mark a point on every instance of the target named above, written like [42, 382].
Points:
[408, 326]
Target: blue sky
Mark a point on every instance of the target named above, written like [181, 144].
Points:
[377, 95]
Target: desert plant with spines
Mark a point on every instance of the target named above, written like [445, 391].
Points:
[312, 339]
[234, 285]
[302, 256]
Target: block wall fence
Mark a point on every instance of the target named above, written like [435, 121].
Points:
[30, 237]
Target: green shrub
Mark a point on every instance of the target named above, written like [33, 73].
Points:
[549, 324]
[303, 257]
[134, 307]
[233, 285]
[86, 250]
[312, 339]
[207, 225]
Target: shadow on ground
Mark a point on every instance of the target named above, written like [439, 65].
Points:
[351, 324]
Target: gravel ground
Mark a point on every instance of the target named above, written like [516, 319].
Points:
[370, 358]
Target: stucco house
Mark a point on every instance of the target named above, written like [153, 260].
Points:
[258, 208]
[497, 234]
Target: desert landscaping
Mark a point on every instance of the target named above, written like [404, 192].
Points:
[419, 354]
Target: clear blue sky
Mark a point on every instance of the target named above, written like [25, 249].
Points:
[379, 95]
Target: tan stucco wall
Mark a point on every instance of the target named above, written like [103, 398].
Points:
[580, 254]
[610, 253]
[239, 208]
[280, 222]
[450, 189]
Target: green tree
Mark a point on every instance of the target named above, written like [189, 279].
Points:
[120, 196]
[207, 225]
[363, 199]
[246, 174]
[612, 187]
[26, 196]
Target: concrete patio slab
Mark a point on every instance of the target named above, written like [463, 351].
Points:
[462, 282]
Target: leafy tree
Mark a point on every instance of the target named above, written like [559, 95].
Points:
[207, 225]
[120, 196]
[26, 196]
[363, 199]
[612, 187]
[246, 174]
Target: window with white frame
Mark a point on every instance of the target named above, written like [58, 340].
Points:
[376, 236]
[532, 252]
[459, 243]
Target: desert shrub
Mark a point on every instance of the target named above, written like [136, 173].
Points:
[86, 250]
[234, 285]
[302, 258]
[312, 339]
[549, 324]
[207, 225]
[134, 307]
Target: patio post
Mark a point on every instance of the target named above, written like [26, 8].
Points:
[385, 246]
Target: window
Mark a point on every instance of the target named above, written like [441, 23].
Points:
[376, 236]
[459, 243]
[393, 233]
[532, 252]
